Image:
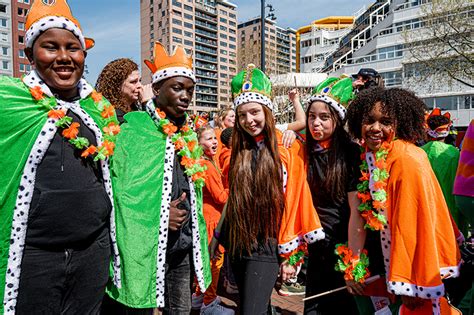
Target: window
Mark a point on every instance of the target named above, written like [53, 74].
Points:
[188, 42]
[5, 51]
[223, 20]
[177, 40]
[5, 65]
[223, 12]
[4, 37]
[22, 67]
[188, 34]
[232, 23]
[177, 31]
[176, 22]
[223, 28]
[222, 59]
[3, 8]
[21, 53]
[223, 67]
[188, 16]
[223, 51]
[231, 46]
[187, 7]
[223, 44]
[223, 36]
[188, 25]
[3, 22]
[447, 103]
[232, 15]
[21, 26]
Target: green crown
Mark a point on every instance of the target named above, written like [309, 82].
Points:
[251, 79]
[339, 89]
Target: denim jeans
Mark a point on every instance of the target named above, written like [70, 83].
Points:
[67, 281]
[178, 281]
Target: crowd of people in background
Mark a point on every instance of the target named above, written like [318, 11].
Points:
[114, 199]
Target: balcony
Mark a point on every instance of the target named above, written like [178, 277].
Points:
[205, 41]
[206, 33]
[200, 65]
[206, 50]
[205, 8]
[200, 56]
[206, 25]
[205, 17]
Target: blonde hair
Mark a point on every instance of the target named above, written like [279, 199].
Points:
[221, 115]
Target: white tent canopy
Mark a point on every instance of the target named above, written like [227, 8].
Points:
[303, 80]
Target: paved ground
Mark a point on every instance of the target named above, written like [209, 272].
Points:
[284, 305]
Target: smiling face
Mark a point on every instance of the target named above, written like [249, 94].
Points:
[208, 142]
[131, 88]
[321, 122]
[229, 119]
[174, 95]
[377, 128]
[58, 58]
[252, 118]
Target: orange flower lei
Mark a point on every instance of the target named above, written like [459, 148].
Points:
[354, 267]
[71, 129]
[185, 142]
[371, 204]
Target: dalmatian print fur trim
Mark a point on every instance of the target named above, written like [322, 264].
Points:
[164, 221]
[309, 237]
[20, 214]
[173, 72]
[26, 188]
[450, 272]
[48, 22]
[328, 100]
[197, 250]
[403, 288]
[32, 80]
[247, 97]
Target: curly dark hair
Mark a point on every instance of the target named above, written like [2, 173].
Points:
[111, 79]
[436, 121]
[401, 105]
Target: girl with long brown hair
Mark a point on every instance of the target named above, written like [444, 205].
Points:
[270, 217]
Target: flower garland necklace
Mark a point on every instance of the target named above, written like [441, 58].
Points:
[71, 129]
[372, 203]
[186, 143]
[355, 267]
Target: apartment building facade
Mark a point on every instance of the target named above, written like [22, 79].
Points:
[207, 29]
[280, 46]
[378, 40]
[13, 61]
[317, 41]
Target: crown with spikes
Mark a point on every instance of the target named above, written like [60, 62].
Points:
[336, 92]
[252, 85]
[440, 131]
[47, 14]
[165, 66]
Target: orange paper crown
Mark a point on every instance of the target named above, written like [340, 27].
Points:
[41, 9]
[162, 60]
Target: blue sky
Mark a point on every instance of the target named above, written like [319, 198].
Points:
[115, 24]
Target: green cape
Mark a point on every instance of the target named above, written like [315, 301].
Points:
[25, 135]
[141, 174]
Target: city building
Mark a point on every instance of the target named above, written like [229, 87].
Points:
[317, 41]
[13, 61]
[280, 46]
[379, 40]
[208, 30]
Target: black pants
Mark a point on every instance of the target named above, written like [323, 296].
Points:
[255, 280]
[321, 277]
[69, 281]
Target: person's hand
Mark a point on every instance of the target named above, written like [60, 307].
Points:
[177, 216]
[146, 93]
[214, 250]
[287, 271]
[355, 288]
[294, 95]
[411, 302]
[288, 138]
